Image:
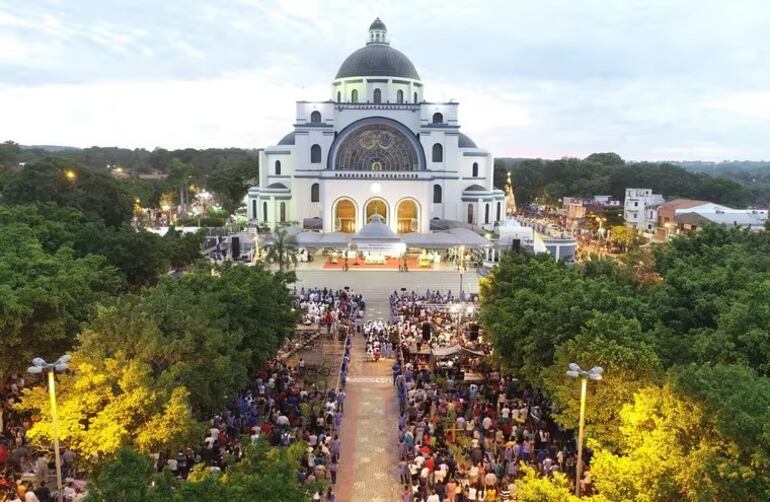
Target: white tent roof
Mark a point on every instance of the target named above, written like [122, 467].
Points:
[334, 239]
[468, 238]
[308, 239]
[376, 230]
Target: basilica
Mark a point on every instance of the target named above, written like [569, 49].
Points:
[376, 148]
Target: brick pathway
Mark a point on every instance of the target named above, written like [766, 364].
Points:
[369, 431]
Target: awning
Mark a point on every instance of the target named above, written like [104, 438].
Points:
[438, 240]
[446, 351]
[308, 239]
[468, 238]
[334, 240]
[474, 352]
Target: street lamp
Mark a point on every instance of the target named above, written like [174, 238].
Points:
[461, 269]
[594, 373]
[38, 366]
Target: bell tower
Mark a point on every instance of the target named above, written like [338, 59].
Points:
[378, 33]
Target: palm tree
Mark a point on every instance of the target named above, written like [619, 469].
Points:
[283, 250]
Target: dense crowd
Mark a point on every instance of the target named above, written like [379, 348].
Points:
[463, 438]
[278, 405]
[28, 472]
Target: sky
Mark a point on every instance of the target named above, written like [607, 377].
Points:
[648, 79]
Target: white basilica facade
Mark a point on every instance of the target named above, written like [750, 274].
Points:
[375, 148]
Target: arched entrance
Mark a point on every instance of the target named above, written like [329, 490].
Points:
[345, 216]
[407, 216]
[376, 206]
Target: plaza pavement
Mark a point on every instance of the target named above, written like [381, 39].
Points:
[369, 433]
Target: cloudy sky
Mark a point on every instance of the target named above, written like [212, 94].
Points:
[649, 79]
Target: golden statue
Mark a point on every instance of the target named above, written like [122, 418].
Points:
[510, 199]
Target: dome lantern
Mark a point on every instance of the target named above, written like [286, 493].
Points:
[378, 33]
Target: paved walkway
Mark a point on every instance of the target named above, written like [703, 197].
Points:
[370, 423]
[369, 431]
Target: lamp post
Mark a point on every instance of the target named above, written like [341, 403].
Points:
[461, 269]
[594, 373]
[38, 366]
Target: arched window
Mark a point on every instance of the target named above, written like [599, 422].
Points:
[407, 216]
[339, 97]
[400, 96]
[437, 194]
[475, 172]
[354, 96]
[315, 117]
[254, 214]
[283, 212]
[499, 211]
[345, 216]
[438, 153]
[264, 211]
[277, 167]
[315, 154]
[315, 192]
[470, 213]
[486, 213]
[377, 96]
[438, 118]
[415, 97]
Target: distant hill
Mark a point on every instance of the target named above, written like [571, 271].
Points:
[50, 148]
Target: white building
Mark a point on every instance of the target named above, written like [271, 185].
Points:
[375, 147]
[640, 209]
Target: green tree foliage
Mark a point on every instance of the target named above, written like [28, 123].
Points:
[44, 296]
[250, 304]
[266, 474]
[109, 403]
[676, 450]
[283, 250]
[164, 329]
[9, 154]
[129, 478]
[95, 194]
[148, 364]
[140, 256]
[534, 488]
[698, 310]
[229, 181]
[225, 171]
[533, 304]
[630, 363]
[538, 180]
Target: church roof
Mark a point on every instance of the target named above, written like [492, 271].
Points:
[377, 24]
[377, 230]
[475, 188]
[377, 60]
[465, 142]
[288, 139]
[278, 186]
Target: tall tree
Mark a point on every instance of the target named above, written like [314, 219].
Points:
[283, 249]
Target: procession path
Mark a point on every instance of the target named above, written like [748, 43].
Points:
[369, 431]
[369, 455]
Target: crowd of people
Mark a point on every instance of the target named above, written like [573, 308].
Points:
[279, 405]
[28, 472]
[462, 438]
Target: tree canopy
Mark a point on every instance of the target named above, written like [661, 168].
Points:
[150, 364]
[608, 174]
[684, 339]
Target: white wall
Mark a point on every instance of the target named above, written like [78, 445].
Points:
[392, 191]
